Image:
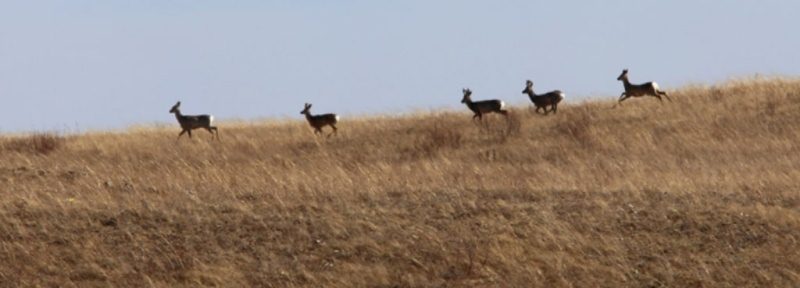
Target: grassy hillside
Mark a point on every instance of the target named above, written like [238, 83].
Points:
[700, 192]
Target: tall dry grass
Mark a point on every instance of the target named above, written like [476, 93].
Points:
[700, 192]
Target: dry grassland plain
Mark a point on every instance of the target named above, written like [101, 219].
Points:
[698, 192]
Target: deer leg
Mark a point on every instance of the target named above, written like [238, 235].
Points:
[189, 131]
[211, 130]
[504, 112]
[335, 131]
[555, 109]
[659, 98]
[181, 134]
[665, 95]
[623, 97]
[544, 108]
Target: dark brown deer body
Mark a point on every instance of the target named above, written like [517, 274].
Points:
[191, 122]
[551, 98]
[482, 107]
[319, 121]
[639, 90]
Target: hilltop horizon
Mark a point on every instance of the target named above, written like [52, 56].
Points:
[170, 123]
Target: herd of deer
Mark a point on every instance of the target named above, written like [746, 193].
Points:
[479, 108]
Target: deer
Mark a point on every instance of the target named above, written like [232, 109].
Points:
[191, 122]
[482, 107]
[319, 121]
[639, 90]
[551, 98]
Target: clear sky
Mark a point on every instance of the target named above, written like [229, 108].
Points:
[72, 65]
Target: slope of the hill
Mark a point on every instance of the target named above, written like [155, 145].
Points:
[699, 192]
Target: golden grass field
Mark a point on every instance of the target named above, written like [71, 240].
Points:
[699, 192]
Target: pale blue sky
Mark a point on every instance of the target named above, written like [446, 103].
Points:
[73, 65]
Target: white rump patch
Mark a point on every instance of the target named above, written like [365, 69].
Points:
[337, 118]
[502, 104]
[655, 86]
[210, 119]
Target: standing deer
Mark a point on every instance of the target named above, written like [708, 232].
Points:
[191, 122]
[551, 98]
[639, 90]
[319, 121]
[482, 107]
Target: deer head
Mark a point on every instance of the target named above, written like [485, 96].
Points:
[623, 76]
[175, 108]
[467, 94]
[528, 87]
[306, 109]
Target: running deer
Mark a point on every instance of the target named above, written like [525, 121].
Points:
[639, 90]
[191, 122]
[482, 107]
[551, 98]
[319, 121]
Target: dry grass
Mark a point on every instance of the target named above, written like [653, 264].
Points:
[701, 192]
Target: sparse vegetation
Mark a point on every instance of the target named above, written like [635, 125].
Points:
[699, 192]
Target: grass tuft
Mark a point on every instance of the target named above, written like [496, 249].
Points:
[37, 143]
